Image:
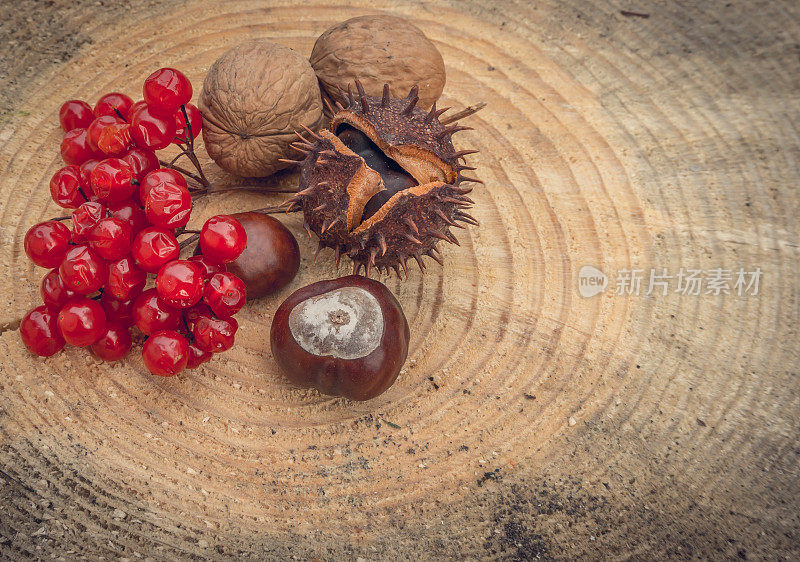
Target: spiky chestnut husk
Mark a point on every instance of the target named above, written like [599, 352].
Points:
[350, 207]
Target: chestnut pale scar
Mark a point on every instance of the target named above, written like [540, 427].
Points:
[345, 323]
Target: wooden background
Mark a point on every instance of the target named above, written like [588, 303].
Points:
[529, 422]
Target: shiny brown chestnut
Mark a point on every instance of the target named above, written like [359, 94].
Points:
[270, 260]
[345, 337]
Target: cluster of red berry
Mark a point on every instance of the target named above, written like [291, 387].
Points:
[126, 215]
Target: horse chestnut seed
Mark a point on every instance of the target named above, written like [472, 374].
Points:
[345, 337]
[270, 260]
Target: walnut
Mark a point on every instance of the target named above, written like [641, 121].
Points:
[378, 50]
[254, 97]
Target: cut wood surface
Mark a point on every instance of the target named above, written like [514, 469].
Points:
[529, 421]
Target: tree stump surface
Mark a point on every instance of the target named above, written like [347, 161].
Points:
[529, 421]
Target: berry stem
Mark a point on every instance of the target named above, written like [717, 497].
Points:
[193, 157]
[190, 136]
[466, 112]
[192, 239]
[172, 162]
[200, 193]
[187, 149]
[185, 172]
[189, 334]
[282, 208]
[190, 147]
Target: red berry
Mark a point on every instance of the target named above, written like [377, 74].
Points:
[209, 268]
[120, 311]
[222, 239]
[153, 247]
[168, 205]
[151, 131]
[166, 90]
[114, 344]
[195, 120]
[81, 321]
[125, 280]
[214, 334]
[165, 353]
[191, 314]
[75, 148]
[53, 291]
[111, 238]
[40, 333]
[159, 177]
[115, 140]
[65, 187]
[112, 103]
[94, 130]
[142, 161]
[197, 357]
[151, 314]
[82, 270]
[84, 218]
[85, 174]
[180, 283]
[135, 108]
[132, 213]
[47, 243]
[225, 294]
[112, 180]
[75, 114]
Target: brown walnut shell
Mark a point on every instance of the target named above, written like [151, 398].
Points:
[254, 97]
[383, 183]
[345, 337]
[378, 50]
